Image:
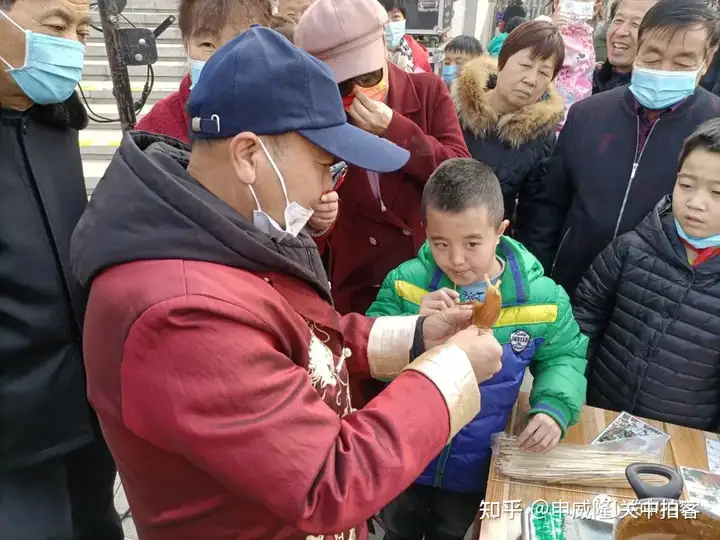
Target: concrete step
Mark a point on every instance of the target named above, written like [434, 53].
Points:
[138, 17]
[162, 69]
[172, 34]
[109, 110]
[150, 5]
[94, 170]
[95, 50]
[100, 144]
[100, 91]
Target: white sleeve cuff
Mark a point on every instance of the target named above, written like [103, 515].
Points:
[391, 339]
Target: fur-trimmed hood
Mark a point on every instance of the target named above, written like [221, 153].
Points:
[471, 101]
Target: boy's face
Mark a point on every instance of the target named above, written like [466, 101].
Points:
[463, 244]
[696, 198]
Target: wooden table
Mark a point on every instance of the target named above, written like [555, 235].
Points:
[686, 448]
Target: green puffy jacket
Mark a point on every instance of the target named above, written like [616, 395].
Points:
[536, 325]
[496, 44]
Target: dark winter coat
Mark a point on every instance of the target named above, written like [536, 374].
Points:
[598, 185]
[711, 80]
[654, 329]
[43, 406]
[516, 146]
[606, 78]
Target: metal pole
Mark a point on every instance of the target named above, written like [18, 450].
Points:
[109, 18]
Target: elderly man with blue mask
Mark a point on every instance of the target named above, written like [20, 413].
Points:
[56, 474]
[616, 155]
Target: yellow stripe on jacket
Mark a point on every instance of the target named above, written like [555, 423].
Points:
[509, 316]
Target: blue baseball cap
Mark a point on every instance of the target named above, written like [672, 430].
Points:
[261, 83]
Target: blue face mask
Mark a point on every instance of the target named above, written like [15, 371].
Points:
[698, 243]
[449, 73]
[657, 89]
[52, 69]
[394, 31]
[196, 67]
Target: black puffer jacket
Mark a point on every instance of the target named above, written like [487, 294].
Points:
[606, 78]
[43, 407]
[654, 327]
[517, 145]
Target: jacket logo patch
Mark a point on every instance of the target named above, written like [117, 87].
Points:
[519, 341]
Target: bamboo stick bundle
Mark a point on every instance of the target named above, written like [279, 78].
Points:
[584, 465]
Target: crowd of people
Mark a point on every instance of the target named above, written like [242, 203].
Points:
[262, 319]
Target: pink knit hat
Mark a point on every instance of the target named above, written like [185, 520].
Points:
[348, 35]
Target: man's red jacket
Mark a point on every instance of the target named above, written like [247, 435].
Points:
[220, 371]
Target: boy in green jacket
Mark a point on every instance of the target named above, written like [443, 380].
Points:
[462, 208]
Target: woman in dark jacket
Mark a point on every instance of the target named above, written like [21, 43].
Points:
[652, 319]
[508, 115]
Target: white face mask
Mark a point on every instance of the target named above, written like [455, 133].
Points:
[296, 216]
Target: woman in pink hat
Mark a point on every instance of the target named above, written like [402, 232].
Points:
[378, 226]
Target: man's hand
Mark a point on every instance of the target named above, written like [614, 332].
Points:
[370, 115]
[541, 434]
[326, 211]
[439, 300]
[482, 349]
[440, 326]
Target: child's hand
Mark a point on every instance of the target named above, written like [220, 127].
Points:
[438, 301]
[541, 434]
[326, 211]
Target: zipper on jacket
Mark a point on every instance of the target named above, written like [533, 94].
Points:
[636, 162]
[557, 254]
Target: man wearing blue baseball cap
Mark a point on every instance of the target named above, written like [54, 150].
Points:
[215, 358]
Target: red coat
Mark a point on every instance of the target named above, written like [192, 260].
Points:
[168, 116]
[421, 58]
[367, 242]
[224, 411]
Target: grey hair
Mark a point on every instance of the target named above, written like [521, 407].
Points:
[462, 183]
[706, 137]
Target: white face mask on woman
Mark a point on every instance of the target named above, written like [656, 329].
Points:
[296, 216]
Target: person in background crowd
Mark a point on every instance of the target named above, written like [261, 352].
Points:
[601, 31]
[404, 51]
[574, 80]
[622, 42]
[56, 474]
[458, 52]
[614, 158]
[711, 80]
[216, 361]
[508, 116]
[205, 26]
[379, 224]
[463, 215]
[293, 9]
[514, 9]
[670, 266]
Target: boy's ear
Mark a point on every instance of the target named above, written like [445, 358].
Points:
[502, 228]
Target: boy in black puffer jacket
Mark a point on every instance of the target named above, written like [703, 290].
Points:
[649, 303]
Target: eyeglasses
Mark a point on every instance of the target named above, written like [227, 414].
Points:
[338, 172]
[367, 80]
